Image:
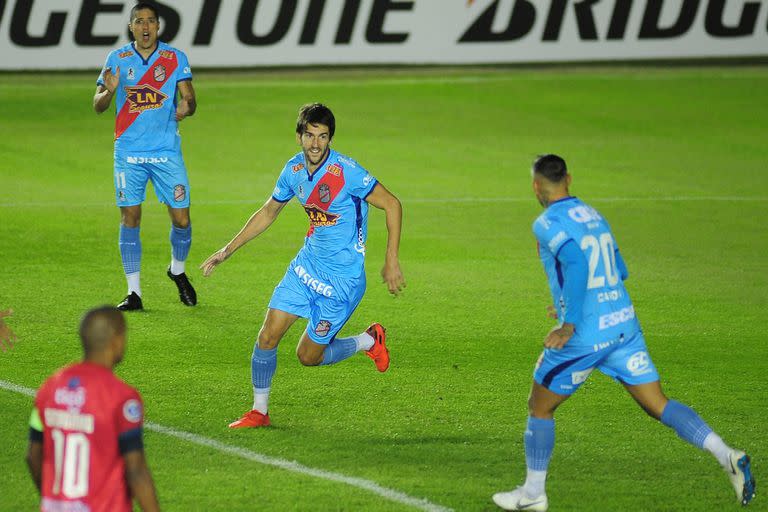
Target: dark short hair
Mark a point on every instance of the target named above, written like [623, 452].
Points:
[315, 113]
[99, 325]
[551, 167]
[143, 5]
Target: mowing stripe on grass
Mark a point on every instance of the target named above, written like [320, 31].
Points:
[418, 200]
[288, 465]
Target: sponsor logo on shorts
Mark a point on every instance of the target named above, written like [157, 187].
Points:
[297, 167]
[179, 193]
[579, 377]
[323, 328]
[144, 97]
[125, 54]
[325, 193]
[70, 398]
[159, 73]
[335, 169]
[319, 217]
[146, 159]
[312, 283]
[639, 363]
[166, 54]
[132, 411]
[617, 317]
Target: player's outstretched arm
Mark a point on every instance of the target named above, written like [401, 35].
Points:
[35, 462]
[383, 199]
[188, 103]
[7, 336]
[104, 93]
[256, 225]
[139, 480]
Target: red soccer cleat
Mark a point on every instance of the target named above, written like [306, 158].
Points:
[251, 419]
[378, 352]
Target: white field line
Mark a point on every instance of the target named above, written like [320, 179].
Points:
[419, 200]
[293, 466]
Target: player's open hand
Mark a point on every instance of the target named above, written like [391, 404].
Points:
[7, 337]
[212, 261]
[393, 277]
[112, 80]
[559, 336]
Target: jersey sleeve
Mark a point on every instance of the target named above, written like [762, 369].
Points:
[111, 62]
[283, 191]
[185, 70]
[359, 182]
[130, 413]
[550, 233]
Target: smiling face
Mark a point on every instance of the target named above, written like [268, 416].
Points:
[145, 28]
[314, 141]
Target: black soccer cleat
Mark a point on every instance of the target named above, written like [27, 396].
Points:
[131, 302]
[187, 293]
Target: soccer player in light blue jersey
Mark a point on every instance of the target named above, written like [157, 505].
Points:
[326, 280]
[145, 77]
[597, 329]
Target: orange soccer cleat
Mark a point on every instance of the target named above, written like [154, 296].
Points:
[251, 419]
[378, 352]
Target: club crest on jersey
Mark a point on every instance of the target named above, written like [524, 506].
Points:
[159, 73]
[125, 54]
[144, 97]
[179, 193]
[325, 193]
[319, 217]
[132, 411]
[297, 167]
[335, 169]
[166, 54]
[323, 328]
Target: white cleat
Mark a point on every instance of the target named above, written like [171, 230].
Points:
[740, 473]
[519, 500]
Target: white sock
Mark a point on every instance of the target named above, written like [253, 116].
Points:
[534, 483]
[133, 283]
[714, 445]
[364, 341]
[177, 267]
[261, 400]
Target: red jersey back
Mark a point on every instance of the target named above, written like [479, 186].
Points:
[85, 410]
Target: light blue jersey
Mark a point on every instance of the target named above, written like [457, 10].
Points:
[145, 100]
[334, 200]
[607, 312]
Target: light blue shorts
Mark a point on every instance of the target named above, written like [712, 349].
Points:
[327, 301]
[624, 359]
[166, 172]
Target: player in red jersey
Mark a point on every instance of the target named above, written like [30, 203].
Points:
[85, 441]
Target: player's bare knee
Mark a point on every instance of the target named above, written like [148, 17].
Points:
[308, 359]
[267, 340]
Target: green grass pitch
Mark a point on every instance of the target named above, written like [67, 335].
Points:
[676, 159]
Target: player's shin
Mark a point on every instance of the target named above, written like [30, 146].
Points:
[690, 427]
[130, 253]
[263, 366]
[181, 240]
[539, 442]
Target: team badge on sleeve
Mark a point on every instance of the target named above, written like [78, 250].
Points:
[132, 411]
